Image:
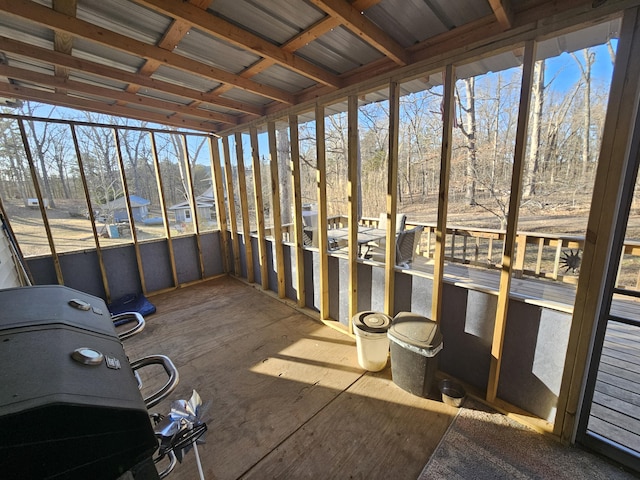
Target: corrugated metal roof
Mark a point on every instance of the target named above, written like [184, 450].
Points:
[103, 55]
[284, 79]
[124, 17]
[274, 20]
[339, 50]
[205, 48]
[179, 77]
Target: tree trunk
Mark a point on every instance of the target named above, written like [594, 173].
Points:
[470, 114]
[537, 98]
[284, 173]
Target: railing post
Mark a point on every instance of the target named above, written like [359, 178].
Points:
[521, 248]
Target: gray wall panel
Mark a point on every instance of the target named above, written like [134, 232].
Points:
[212, 254]
[535, 346]
[156, 265]
[122, 270]
[186, 254]
[291, 272]
[364, 287]
[377, 288]
[467, 329]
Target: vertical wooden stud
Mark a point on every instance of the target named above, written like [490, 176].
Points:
[297, 208]
[218, 196]
[163, 208]
[193, 205]
[275, 208]
[259, 203]
[352, 193]
[392, 198]
[228, 168]
[244, 206]
[443, 195]
[323, 244]
[512, 220]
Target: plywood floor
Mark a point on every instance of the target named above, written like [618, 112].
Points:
[288, 399]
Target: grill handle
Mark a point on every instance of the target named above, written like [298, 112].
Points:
[128, 317]
[173, 461]
[169, 368]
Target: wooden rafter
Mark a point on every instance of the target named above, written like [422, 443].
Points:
[81, 65]
[502, 11]
[25, 93]
[49, 18]
[235, 35]
[123, 97]
[172, 36]
[352, 18]
[63, 42]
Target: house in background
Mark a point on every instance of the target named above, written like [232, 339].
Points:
[205, 204]
[118, 208]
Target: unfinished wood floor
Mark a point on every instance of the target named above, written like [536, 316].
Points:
[288, 399]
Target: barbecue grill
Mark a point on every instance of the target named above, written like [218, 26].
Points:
[70, 406]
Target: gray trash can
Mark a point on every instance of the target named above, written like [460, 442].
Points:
[372, 342]
[415, 343]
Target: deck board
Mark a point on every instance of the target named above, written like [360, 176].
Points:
[284, 390]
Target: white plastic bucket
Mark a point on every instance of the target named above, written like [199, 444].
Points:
[372, 342]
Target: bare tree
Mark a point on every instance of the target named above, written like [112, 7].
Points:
[533, 154]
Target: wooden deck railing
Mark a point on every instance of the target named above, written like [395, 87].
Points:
[541, 255]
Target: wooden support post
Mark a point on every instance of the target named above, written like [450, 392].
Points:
[193, 204]
[275, 208]
[43, 212]
[92, 217]
[323, 244]
[244, 205]
[521, 251]
[297, 209]
[539, 259]
[556, 262]
[163, 209]
[228, 169]
[443, 193]
[353, 178]
[621, 131]
[512, 220]
[218, 197]
[392, 198]
[259, 204]
[132, 225]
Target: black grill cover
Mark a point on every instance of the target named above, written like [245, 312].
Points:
[59, 417]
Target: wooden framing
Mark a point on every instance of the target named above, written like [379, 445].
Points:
[512, 220]
[132, 225]
[92, 217]
[163, 208]
[228, 175]
[193, 204]
[244, 195]
[321, 179]
[297, 209]
[43, 212]
[259, 204]
[392, 198]
[443, 194]
[275, 208]
[622, 110]
[352, 194]
[218, 196]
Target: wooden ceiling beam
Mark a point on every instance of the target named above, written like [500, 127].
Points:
[52, 98]
[113, 94]
[176, 31]
[58, 22]
[57, 58]
[305, 37]
[502, 11]
[63, 42]
[354, 20]
[239, 37]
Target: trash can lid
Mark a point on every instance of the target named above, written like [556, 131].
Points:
[417, 331]
[372, 322]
